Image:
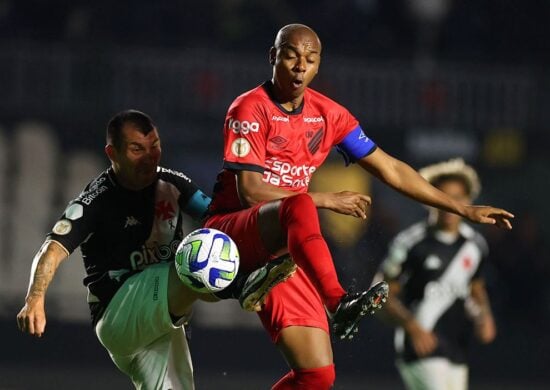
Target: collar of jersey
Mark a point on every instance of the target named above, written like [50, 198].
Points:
[268, 88]
[446, 238]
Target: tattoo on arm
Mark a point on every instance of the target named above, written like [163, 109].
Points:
[44, 266]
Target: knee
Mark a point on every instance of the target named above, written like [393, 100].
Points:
[319, 378]
[298, 206]
[298, 201]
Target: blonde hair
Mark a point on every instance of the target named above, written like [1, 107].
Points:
[455, 168]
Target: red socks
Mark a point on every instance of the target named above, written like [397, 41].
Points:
[298, 216]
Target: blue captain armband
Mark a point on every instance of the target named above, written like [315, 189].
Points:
[355, 145]
[198, 205]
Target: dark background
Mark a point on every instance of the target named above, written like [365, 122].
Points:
[428, 80]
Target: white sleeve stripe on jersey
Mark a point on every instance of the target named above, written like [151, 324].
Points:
[411, 236]
[399, 248]
[58, 243]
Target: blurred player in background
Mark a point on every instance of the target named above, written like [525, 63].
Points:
[275, 137]
[437, 290]
[128, 224]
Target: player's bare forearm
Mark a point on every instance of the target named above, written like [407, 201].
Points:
[394, 311]
[253, 190]
[401, 177]
[343, 202]
[406, 180]
[485, 328]
[44, 266]
[423, 341]
[32, 317]
[481, 298]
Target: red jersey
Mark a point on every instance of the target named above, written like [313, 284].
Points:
[286, 147]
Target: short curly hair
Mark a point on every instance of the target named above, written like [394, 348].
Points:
[454, 169]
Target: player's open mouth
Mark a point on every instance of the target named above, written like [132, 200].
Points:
[147, 171]
[297, 83]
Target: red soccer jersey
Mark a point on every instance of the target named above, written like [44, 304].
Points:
[260, 135]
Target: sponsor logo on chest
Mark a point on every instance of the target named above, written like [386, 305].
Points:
[152, 254]
[284, 174]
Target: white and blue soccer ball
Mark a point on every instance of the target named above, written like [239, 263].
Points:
[207, 260]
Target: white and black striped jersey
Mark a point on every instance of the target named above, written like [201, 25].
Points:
[435, 270]
[120, 232]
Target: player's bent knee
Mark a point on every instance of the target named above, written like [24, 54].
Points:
[298, 206]
[320, 378]
[298, 201]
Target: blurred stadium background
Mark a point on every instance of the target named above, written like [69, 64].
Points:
[428, 79]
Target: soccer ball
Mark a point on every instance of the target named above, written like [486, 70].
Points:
[207, 260]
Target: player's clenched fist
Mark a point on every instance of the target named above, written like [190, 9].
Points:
[32, 318]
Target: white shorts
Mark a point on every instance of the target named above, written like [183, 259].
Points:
[140, 336]
[434, 374]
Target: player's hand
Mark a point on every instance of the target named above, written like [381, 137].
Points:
[32, 318]
[349, 203]
[423, 341]
[485, 329]
[489, 215]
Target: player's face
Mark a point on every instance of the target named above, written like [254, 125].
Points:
[456, 190]
[295, 63]
[137, 160]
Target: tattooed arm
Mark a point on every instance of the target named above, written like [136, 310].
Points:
[32, 317]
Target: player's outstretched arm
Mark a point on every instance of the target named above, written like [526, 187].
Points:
[32, 317]
[406, 180]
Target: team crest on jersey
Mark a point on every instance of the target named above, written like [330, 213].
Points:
[240, 147]
[164, 210]
[315, 141]
[62, 227]
[467, 263]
